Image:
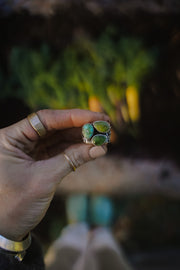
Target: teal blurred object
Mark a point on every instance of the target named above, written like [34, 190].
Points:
[95, 210]
[77, 208]
[101, 211]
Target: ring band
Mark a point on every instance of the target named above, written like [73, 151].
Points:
[36, 124]
[70, 162]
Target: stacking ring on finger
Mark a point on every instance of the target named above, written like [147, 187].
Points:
[96, 133]
[70, 162]
[36, 124]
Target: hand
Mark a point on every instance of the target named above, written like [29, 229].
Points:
[31, 167]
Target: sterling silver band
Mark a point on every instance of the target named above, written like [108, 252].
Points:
[36, 124]
[15, 246]
[70, 162]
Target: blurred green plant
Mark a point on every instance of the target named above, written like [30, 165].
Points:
[105, 74]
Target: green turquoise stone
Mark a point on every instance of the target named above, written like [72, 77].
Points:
[87, 131]
[99, 139]
[102, 126]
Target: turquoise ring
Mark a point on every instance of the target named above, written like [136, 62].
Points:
[96, 133]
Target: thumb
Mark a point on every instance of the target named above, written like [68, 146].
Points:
[56, 168]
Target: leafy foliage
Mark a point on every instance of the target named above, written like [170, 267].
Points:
[104, 69]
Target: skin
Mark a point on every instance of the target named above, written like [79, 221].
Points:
[31, 167]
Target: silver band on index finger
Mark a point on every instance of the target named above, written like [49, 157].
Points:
[36, 124]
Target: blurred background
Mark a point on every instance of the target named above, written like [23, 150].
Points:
[121, 58]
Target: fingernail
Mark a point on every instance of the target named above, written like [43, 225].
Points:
[97, 151]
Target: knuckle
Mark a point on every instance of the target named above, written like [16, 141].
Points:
[42, 111]
[77, 159]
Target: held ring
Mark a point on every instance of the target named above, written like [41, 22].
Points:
[96, 133]
[36, 124]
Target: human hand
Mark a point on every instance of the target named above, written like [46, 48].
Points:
[32, 167]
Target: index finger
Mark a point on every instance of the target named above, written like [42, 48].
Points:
[61, 119]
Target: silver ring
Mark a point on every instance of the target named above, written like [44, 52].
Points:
[70, 162]
[36, 124]
[97, 133]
